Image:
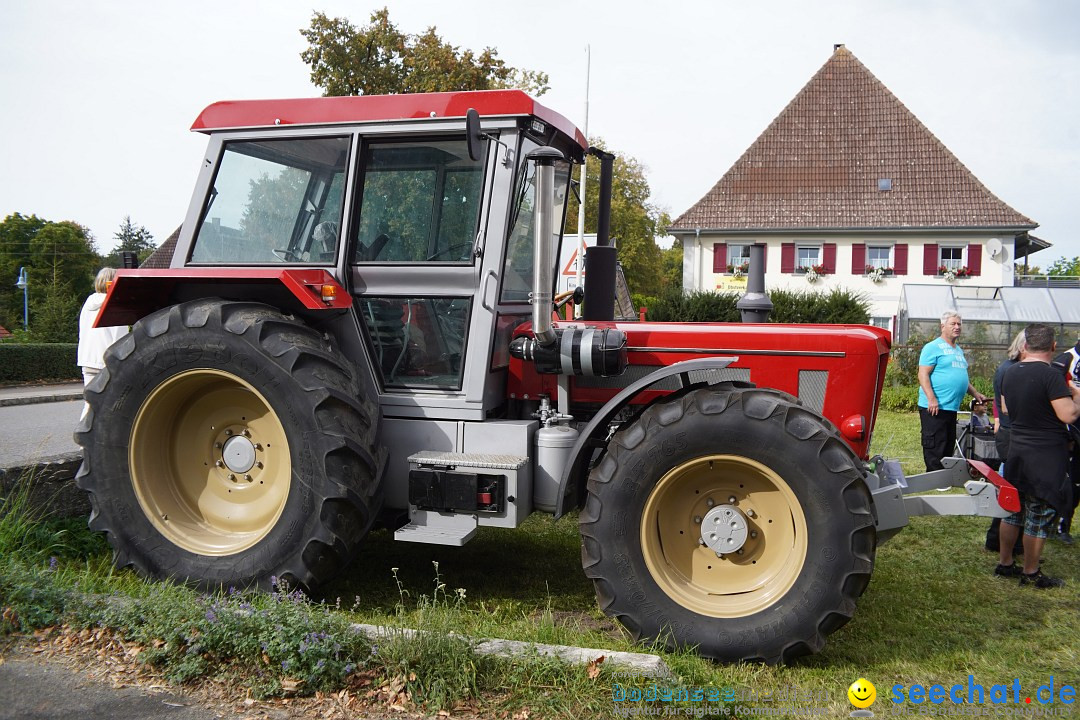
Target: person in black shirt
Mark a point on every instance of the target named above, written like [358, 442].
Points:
[1069, 362]
[1039, 403]
[1001, 434]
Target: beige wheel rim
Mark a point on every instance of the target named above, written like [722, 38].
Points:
[737, 584]
[210, 462]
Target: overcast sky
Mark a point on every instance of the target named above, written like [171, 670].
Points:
[98, 97]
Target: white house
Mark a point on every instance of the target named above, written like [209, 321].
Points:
[846, 188]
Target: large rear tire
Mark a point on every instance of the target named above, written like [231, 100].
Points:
[227, 445]
[730, 519]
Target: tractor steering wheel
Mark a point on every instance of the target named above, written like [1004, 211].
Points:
[286, 256]
[448, 250]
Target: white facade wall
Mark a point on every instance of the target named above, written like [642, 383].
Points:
[996, 268]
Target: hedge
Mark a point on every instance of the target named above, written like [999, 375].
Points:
[28, 362]
[833, 306]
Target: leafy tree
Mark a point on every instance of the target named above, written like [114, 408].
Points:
[672, 261]
[1064, 266]
[62, 253]
[130, 238]
[60, 263]
[55, 313]
[16, 232]
[380, 59]
[635, 222]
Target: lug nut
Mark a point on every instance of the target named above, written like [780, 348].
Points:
[750, 513]
[247, 433]
[259, 464]
[228, 432]
[697, 519]
[248, 478]
[740, 551]
[731, 500]
[219, 463]
[710, 502]
[753, 534]
[232, 477]
[217, 446]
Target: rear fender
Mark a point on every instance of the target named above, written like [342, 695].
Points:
[134, 294]
[594, 435]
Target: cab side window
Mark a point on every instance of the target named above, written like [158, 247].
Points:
[420, 203]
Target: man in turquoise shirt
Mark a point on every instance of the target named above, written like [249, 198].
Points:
[943, 383]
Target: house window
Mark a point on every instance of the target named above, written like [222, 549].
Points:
[807, 257]
[882, 322]
[951, 257]
[738, 258]
[879, 257]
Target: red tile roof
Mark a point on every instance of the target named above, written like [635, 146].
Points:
[819, 163]
[162, 257]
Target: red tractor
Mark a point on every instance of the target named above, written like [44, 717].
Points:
[358, 325]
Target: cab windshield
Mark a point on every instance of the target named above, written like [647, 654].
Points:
[275, 201]
[518, 267]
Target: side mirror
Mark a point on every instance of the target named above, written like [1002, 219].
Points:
[474, 136]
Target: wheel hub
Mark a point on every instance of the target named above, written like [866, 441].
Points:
[238, 454]
[724, 529]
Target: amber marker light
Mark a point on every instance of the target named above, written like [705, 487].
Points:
[328, 293]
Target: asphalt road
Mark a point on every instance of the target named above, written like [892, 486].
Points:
[49, 691]
[31, 432]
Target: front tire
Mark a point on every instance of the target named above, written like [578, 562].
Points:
[730, 519]
[227, 445]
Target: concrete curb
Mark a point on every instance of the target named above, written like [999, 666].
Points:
[35, 399]
[643, 663]
[52, 488]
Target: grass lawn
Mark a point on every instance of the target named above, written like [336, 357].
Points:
[933, 614]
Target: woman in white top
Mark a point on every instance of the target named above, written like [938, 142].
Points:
[93, 342]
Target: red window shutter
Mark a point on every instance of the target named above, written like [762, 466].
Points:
[930, 259]
[974, 260]
[787, 257]
[900, 259]
[858, 258]
[828, 257]
[719, 257]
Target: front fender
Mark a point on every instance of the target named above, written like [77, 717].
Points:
[571, 491]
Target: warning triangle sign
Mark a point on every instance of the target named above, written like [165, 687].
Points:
[571, 267]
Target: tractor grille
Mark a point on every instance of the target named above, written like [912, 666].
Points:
[812, 384]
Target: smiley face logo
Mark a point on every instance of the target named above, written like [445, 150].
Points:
[862, 693]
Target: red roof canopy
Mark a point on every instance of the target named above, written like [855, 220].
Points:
[231, 114]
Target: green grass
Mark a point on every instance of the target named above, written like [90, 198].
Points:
[933, 613]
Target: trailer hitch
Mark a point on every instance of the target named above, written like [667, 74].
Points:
[898, 498]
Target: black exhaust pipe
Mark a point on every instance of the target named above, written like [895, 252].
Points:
[600, 261]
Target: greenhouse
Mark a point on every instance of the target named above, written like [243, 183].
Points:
[992, 316]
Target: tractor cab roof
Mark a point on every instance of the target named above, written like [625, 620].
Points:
[237, 114]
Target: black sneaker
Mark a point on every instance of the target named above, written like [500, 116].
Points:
[1065, 538]
[1039, 580]
[1008, 571]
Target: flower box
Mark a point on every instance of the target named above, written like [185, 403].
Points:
[945, 270]
[884, 271]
